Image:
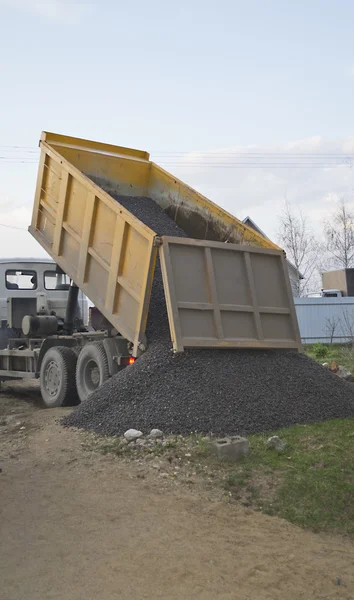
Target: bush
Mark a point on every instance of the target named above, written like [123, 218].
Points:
[320, 351]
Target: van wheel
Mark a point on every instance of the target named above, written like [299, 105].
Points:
[91, 369]
[57, 377]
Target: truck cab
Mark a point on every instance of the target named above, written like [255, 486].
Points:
[32, 286]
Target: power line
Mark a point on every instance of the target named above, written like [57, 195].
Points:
[215, 154]
[222, 154]
[27, 148]
[20, 151]
[12, 227]
[239, 165]
[262, 161]
[238, 160]
[18, 158]
[256, 156]
[253, 165]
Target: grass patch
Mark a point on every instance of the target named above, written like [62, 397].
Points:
[315, 475]
[343, 354]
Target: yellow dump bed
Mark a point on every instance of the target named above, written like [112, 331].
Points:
[111, 255]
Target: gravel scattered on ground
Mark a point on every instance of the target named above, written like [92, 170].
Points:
[219, 391]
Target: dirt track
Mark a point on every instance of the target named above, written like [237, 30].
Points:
[77, 525]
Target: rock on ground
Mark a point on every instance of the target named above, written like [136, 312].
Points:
[155, 434]
[131, 435]
[276, 443]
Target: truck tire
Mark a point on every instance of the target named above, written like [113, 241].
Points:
[57, 377]
[91, 369]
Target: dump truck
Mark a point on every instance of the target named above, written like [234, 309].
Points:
[226, 286]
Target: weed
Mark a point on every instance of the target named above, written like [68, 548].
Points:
[343, 354]
[320, 350]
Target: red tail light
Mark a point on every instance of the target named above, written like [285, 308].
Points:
[127, 360]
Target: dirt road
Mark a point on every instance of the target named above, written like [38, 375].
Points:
[77, 525]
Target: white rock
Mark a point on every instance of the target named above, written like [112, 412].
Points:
[276, 443]
[155, 434]
[343, 373]
[133, 434]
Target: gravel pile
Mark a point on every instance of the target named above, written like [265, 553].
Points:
[219, 391]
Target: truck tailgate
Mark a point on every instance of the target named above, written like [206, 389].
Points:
[227, 295]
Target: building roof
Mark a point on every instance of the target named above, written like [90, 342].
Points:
[248, 221]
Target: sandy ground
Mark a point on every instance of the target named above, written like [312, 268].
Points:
[78, 525]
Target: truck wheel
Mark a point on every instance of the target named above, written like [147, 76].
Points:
[57, 377]
[91, 369]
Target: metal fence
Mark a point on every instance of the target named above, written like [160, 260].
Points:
[325, 319]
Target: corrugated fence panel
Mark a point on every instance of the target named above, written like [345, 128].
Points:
[325, 319]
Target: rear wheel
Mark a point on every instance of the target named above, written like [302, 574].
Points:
[57, 377]
[91, 369]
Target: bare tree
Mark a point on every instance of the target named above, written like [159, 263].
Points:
[339, 234]
[348, 325]
[331, 325]
[300, 245]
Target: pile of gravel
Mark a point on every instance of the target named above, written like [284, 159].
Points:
[219, 391]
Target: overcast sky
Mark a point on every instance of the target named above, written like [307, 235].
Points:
[227, 95]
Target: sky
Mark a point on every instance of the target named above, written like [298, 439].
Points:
[248, 102]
